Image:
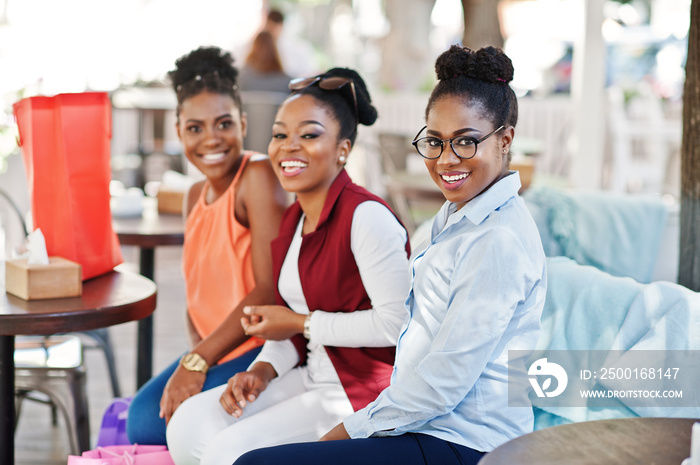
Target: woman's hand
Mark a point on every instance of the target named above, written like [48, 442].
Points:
[182, 385]
[272, 322]
[246, 387]
[337, 433]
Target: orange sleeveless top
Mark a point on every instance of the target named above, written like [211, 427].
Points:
[216, 262]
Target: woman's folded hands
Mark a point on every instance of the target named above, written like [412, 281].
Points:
[272, 322]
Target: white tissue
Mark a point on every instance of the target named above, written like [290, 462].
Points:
[36, 247]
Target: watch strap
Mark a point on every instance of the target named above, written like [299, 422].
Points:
[307, 327]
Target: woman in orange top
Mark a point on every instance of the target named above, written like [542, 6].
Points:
[231, 217]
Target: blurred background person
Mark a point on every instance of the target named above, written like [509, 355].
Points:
[297, 55]
[262, 70]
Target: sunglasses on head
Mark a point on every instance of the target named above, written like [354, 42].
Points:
[326, 83]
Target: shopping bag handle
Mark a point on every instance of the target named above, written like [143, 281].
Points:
[126, 456]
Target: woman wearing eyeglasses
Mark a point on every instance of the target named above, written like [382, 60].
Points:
[340, 263]
[478, 288]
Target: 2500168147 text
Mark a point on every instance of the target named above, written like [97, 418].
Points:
[630, 373]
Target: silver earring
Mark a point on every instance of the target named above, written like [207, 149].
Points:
[342, 159]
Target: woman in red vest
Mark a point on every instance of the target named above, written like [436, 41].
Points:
[459, 387]
[341, 267]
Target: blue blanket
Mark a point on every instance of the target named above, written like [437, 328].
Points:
[619, 234]
[588, 309]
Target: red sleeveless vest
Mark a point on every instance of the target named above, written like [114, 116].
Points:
[331, 282]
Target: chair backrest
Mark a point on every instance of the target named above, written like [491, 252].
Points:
[394, 148]
[13, 229]
[57, 351]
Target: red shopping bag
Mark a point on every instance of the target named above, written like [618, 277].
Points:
[123, 455]
[65, 143]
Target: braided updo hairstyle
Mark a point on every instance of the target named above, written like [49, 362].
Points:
[481, 79]
[205, 69]
[340, 102]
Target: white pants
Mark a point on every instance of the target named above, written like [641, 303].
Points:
[293, 408]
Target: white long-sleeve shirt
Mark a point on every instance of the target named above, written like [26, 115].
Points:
[378, 243]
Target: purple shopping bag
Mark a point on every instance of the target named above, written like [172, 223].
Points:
[113, 428]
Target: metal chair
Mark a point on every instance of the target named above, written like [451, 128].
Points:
[100, 337]
[53, 365]
[412, 194]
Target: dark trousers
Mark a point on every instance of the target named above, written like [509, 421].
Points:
[407, 449]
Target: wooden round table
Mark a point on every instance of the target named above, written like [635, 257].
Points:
[148, 231]
[113, 298]
[627, 441]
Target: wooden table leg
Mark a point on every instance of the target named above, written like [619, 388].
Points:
[144, 366]
[7, 400]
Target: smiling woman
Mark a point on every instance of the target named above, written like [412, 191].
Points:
[340, 266]
[477, 291]
[228, 230]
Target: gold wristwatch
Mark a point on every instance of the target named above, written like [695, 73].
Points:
[194, 362]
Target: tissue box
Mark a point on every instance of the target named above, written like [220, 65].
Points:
[170, 201]
[60, 278]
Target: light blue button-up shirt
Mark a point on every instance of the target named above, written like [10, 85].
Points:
[478, 288]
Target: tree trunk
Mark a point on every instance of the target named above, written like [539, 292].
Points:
[481, 24]
[407, 61]
[689, 266]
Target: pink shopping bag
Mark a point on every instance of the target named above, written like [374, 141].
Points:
[124, 455]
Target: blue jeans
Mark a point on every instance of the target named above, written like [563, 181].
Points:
[144, 426]
[407, 449]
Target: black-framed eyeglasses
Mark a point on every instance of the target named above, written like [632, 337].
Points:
[326, 83]
[463, 146]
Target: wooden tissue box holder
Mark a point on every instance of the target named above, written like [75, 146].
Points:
[170, 201]
[60, 278]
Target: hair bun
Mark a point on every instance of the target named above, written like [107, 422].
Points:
[488, 64]
[366, 112]
[202, 62]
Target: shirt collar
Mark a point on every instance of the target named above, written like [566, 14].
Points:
[480, 206]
